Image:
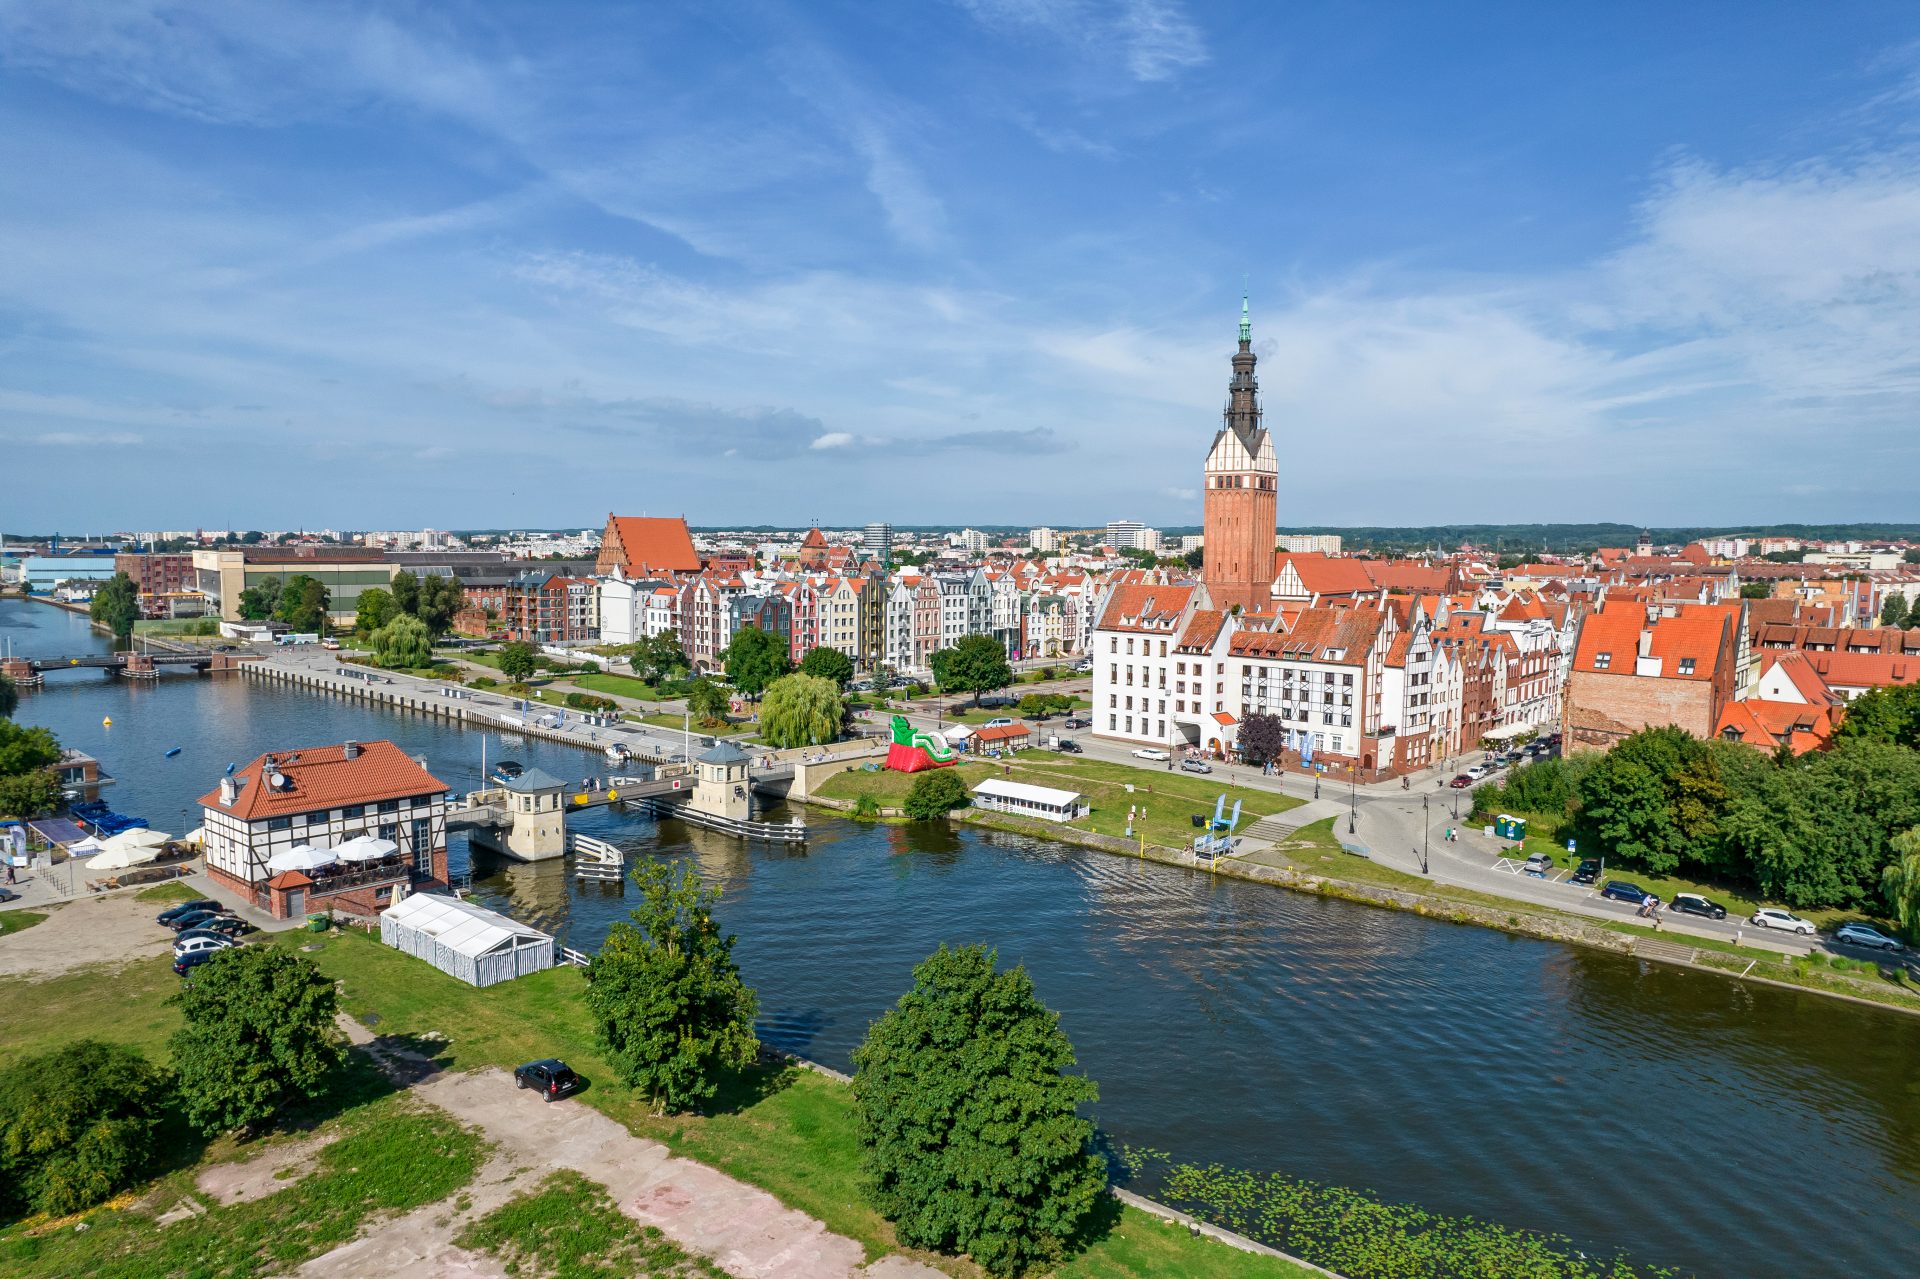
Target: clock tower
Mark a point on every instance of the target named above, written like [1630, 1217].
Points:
[1242, 477]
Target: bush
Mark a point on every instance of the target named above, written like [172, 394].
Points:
[516, 689]
[259, 1037]
[866, 808]
[935, 794]
[484, 681]
[969, 1123]
[76, 1125]
[589, 702]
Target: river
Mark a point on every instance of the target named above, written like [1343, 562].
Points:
[1726, 1129]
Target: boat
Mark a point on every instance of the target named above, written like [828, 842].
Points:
[617, 753]
[173, 752]
[506, 770]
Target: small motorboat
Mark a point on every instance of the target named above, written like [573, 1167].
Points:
[617, 753]
[506, 770]
[173, 752]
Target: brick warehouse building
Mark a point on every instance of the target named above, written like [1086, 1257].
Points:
[1637, 667]
[322, 797]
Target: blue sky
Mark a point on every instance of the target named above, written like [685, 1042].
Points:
[464, 265]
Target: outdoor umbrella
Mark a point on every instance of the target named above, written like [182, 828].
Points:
[366, 848]
[121, 858]
[302, 857]
[137, 840]
[84, 847]
[195, 837]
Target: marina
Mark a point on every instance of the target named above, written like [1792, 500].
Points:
[1224, 1021]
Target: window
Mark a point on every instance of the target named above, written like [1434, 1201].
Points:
[1346, 679]
[357, 810]
[389, 806]
[1686, 666]
[1113, 722]
[423, 845]
[279, 823]
[1602, 661]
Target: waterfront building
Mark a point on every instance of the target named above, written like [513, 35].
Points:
[1022, 799]
[1636, 667]
[41, 573]
[542, 607]
[1323, 677]
[222, 574]
[163, 580]
[322, 797]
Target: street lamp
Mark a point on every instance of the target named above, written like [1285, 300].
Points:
[1426, 827]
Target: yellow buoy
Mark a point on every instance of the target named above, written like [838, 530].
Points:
[107, 722]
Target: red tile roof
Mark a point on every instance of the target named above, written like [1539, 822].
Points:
[323, 777]
[1319, 633]
[1145, 608]
[645, 545]
[1696, 632]
[1202, 630]
[1325, 575]
[1865, 670]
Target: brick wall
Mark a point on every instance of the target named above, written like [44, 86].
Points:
[1600, 709]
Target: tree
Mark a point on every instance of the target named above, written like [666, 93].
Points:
[828, 663]
[261, 600]
[1262, 738]
[9, 698]
[517, 661]
[1913, 613]
[406, 591]
[1913, 555]
[801, 710]
[976, 664]
[258, 1037]
[116, 606]
[33, 794]
[934, 794]
[1893, 609]
[1195, 558]
[708, 701]
[304, 604]
[754, 660]
[373, 610]
[437, 600]
[23, 750]
[1890, 714]
[659, 657]
[403, 643]
[667, 999]
[968, 1120]
[1900, 882]
[77, 1125]
[1755, 590]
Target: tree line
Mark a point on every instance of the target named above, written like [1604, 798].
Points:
[1833, 828]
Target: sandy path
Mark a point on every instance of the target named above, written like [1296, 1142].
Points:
[98, 930]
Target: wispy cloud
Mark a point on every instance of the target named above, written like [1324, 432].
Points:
[1153, 40]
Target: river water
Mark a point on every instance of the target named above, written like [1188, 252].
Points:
[1696, 1122]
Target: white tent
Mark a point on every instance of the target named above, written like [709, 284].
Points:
[137, 838]
[365, 848]
[301, 857]
[479, 946]
[85, 847]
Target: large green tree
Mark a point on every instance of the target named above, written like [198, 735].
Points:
[969, 1121]
[31, 794]
[373, 609]
[801, 710]
[1890, 714]
[1900, 882]
[434, 599]
[23, 749]
[828, 663]
[406, 591]
[708, 701]
[258, 1037]
[403, 643]
[1893, 609]
[116, 606]
[656, 658]
[667, 1000]
[1653, 799]
[934, 794]
[261, 601]
[975, 664]
[9, 698]
[76, 1125]
[516, 660]
[304, 604]
[754, 659]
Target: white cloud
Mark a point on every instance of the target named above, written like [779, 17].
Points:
[834, 440]
[1160, 40]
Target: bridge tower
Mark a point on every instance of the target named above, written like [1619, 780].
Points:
[723, 790]
[538, 815]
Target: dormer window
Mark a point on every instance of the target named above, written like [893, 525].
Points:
[1602, 661]
[1686, 666]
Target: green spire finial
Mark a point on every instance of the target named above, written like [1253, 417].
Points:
[1246, 323]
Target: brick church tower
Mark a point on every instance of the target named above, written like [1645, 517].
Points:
[1242, 481]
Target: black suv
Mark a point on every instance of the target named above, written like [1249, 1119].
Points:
[1695, 904]
[1621, 891]
[1069, 747]
[1588, 872]
[185, 908]
[554, 1078]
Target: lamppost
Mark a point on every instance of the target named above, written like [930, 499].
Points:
[1426, 828]
[1353, 798]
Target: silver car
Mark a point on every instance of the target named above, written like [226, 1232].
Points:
[1865, 935]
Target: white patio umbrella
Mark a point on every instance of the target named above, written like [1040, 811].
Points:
[136, 839]
[123, 857]
[366, 848]
[302, 857]
[195, 837]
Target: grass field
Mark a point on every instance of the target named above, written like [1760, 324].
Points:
[618, 686]
[16, 921]
[570, 1229]
[1169, 799]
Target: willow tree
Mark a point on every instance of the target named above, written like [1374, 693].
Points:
[1901, 882]
[801, 710]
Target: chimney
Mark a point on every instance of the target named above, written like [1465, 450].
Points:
[1646, 642]
[350, 751]
[228, 792]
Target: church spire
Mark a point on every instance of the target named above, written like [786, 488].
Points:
[1246, 324]
[1243, 390]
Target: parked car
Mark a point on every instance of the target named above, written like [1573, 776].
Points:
[193, 919]
[1476, 771]
[1195, 766]
[184, 964]
[199, 934]
[552, 1077]
[1586, 872]
[1621, 891]
[1461, 782]
[1695, 904]
[1865, 935]
[1068, 746]
[1768, 917]
[998, 721]
[1074, 721]
[1538, 864]
[1150, 752]
[210, 941]
[228, 925]
[186, 908]
[8, 895]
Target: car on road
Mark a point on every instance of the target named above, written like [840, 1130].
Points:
[1067, 746]
[1621, 891]
[1586, 872]
[552, 1077]
[1867, 935]
[184, 964]
[8, 895]
[1461, 782]
[1538, 864]
[1150, 752]
[210, 941]
[998, 721]
[186, 908]
[224, 925]
[1074, 721]
[1695, 904]
[1786, 920]
[1195, 766]
[1477, 771]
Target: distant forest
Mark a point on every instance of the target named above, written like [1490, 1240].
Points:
[1560, 539]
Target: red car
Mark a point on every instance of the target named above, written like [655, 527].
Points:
[1461, 782]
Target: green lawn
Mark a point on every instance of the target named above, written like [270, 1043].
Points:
[16, 921]
[121, 1003]
[171, 891]
[618, 686]
[1169, 799]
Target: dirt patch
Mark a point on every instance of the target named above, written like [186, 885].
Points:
[262, 1175]
[91, 931]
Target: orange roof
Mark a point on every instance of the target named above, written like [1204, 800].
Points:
[1324, 575]
[1003, 732]
[323, 777]
[1406, 575]
[1694, 633]
[1865, 670]
[643, 545]
[1766, 724]
[1202, 630]
[291, 879]
[1145, 608]
[1317, 636]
